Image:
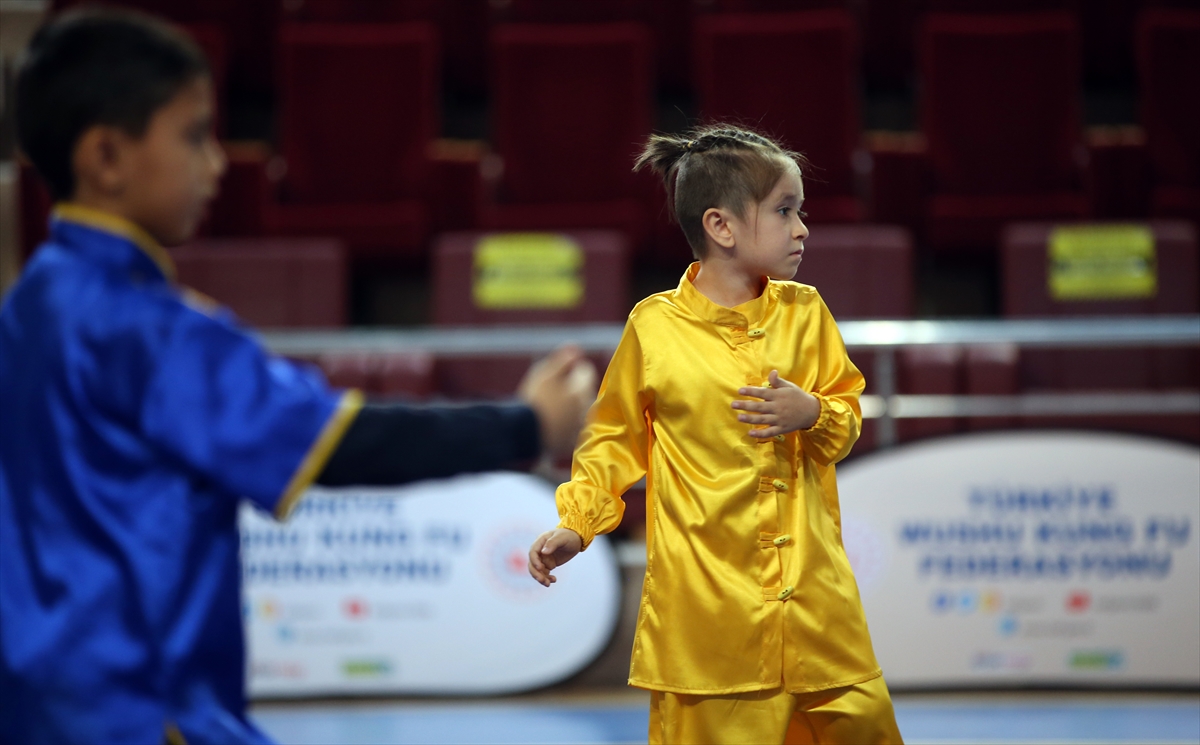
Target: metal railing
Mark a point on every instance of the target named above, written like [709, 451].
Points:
[882, 337]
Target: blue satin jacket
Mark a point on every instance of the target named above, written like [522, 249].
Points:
[133, 419]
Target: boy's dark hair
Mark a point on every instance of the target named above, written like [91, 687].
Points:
[719, 165]
[96, 66]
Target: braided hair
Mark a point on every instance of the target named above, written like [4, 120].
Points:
[721, 166]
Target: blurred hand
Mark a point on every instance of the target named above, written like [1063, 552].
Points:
[560, 388]
[552, 549]
[785, 407]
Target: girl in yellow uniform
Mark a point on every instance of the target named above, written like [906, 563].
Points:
[734, 397]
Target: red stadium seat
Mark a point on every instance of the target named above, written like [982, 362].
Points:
[270, 282]
[929, 370]
[991, 370]
[1024, 270]
[1025, 262]
[361, 11]
[462, 25]
[246, 30]
[571, 108]
[861, 271]
[793, 75]
[1168, 45]
[999, 6]
[1000, 111]
[602, 275]
[358, 111]
[458, 268]
[669, 22]
[245, 192]
[889, 33]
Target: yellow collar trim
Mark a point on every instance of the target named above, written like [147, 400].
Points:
[119, 226]
[748, 313]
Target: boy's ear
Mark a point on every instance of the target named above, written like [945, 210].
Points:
[716, 226]
[100, 160]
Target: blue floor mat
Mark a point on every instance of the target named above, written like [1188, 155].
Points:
[500, 722]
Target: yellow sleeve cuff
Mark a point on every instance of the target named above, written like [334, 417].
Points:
[578, 523]
[822, 418]
[318, 455]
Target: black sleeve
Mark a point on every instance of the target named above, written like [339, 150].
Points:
[396, 443]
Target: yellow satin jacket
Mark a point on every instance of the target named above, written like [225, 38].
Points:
[747, 585]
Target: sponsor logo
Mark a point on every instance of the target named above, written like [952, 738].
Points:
[1007, 626]
[941, 601]
[507, 560]
[966, 602]
[991, 601]
[276, 669]
[285, 633]
[269, 609]
[367, 668]
[1078, 601]
[1096, 659]
[1126, 603]
[997, 661]
[1058, 629]
[355, 608]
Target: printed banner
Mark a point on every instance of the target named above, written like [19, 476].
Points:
[1029, 558]
[421, 589]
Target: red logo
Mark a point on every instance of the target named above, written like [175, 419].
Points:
[517, 562]
[355, 608]
[1079, 601]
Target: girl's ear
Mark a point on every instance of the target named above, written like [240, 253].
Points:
[716, 226]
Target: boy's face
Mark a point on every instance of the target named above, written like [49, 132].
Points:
[770, 241]
[163, 180]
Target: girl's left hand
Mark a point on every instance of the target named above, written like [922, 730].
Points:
[785, 407]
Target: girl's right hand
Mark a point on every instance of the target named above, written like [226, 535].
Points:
[552, 549]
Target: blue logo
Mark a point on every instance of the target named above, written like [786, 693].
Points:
[286, 633]
[1007, 626]
[941, 601]
[968, 601]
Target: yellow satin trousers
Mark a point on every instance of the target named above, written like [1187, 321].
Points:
[855, 715]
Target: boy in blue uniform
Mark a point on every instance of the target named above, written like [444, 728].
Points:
[133, 418]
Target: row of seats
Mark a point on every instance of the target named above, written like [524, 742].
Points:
[1001, 133]
[249, 29]
[861, 271]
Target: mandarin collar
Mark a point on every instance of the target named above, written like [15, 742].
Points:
[68, 217]
[749, 313]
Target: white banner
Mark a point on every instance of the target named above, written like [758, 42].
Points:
[421, 589]
[1050, 558]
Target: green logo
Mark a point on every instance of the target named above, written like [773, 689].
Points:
[367, 668]
[1096, 659]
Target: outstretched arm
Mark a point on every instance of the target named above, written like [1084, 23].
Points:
[398, 443]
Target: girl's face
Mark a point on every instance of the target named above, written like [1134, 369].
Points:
[770, 240]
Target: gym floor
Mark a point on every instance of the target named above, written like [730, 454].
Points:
[621, 717]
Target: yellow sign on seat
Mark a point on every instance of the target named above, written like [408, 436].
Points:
[518, 271]
[1102, 262]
